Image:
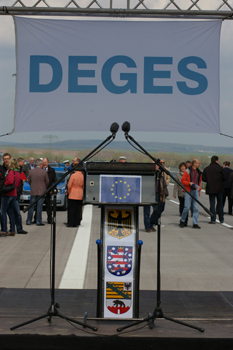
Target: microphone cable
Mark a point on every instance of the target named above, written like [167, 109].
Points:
[113, 129]
[99, 150]
[137, 149]
[126, 128]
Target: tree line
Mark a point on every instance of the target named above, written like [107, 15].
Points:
[172, 159]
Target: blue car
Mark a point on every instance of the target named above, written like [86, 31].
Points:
[61, 197]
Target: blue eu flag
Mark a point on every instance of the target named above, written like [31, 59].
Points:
[120, 189]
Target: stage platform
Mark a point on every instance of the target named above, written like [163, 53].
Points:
[212, 311]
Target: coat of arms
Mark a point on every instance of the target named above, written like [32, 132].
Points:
[119, 260]
[119, 223]
[118, 297]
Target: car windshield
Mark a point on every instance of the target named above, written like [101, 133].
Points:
[57, 165]
[59, 175]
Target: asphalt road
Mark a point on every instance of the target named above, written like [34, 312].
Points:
[197, 260]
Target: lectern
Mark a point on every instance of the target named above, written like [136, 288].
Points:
[119, 189]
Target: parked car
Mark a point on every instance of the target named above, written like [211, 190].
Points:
[62, 201]
[61, 197]
[57, 165]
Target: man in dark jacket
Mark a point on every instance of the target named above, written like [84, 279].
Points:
[214, 178]
[227, 186]
[3, 168]
[6, 158]
[2, 180]
[52, 178]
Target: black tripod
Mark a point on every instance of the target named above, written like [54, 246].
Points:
[158, 312]
[53, 308]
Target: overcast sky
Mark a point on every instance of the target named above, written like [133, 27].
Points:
[7, 95]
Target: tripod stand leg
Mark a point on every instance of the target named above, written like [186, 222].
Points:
[159, 314]
[134, 324]
[184, 324]
[27, 322]
[52, 311]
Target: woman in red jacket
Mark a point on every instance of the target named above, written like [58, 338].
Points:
[8, 199]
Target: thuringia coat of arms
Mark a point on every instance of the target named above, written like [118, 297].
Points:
[119, 260]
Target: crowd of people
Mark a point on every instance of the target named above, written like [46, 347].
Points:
[219, 187]
[12, 178]
[40, 175]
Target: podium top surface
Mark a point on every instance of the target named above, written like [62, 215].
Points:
[120, 168]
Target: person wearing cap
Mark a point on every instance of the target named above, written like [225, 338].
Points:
[122, 159]
[67, 163]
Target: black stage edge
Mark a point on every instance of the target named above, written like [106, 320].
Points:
[210, 310]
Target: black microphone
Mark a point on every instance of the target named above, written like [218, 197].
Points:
[114, 128]
[125, 127]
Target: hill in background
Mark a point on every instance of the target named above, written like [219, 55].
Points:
[123, 146]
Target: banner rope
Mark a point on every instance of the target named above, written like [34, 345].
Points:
[226, 135]
[9, 133]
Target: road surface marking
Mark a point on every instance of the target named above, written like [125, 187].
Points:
[74, 273]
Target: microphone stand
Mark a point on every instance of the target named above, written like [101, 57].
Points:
[158, 312]
[109, 138]
[163, 169]
[53, 308]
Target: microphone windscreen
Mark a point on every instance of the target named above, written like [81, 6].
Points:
[114, 128]
[126, 127]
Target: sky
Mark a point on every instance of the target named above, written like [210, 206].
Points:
[7, 93]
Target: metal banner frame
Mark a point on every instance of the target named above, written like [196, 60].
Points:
[183, 9]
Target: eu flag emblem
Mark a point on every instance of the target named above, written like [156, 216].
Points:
[120, 189]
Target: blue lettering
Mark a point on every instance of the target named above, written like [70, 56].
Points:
[150, 74]
[75, 73]
[34, 84]
[131, 78]
[39, 63]
[189, 74]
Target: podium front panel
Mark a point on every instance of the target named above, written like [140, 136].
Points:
[119, 189]
[113, 188]
[119, 237]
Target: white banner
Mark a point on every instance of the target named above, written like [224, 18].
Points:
[85, 75]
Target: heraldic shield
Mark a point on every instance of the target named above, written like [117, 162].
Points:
[118, 297]
[119, 260]
[119, 222]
